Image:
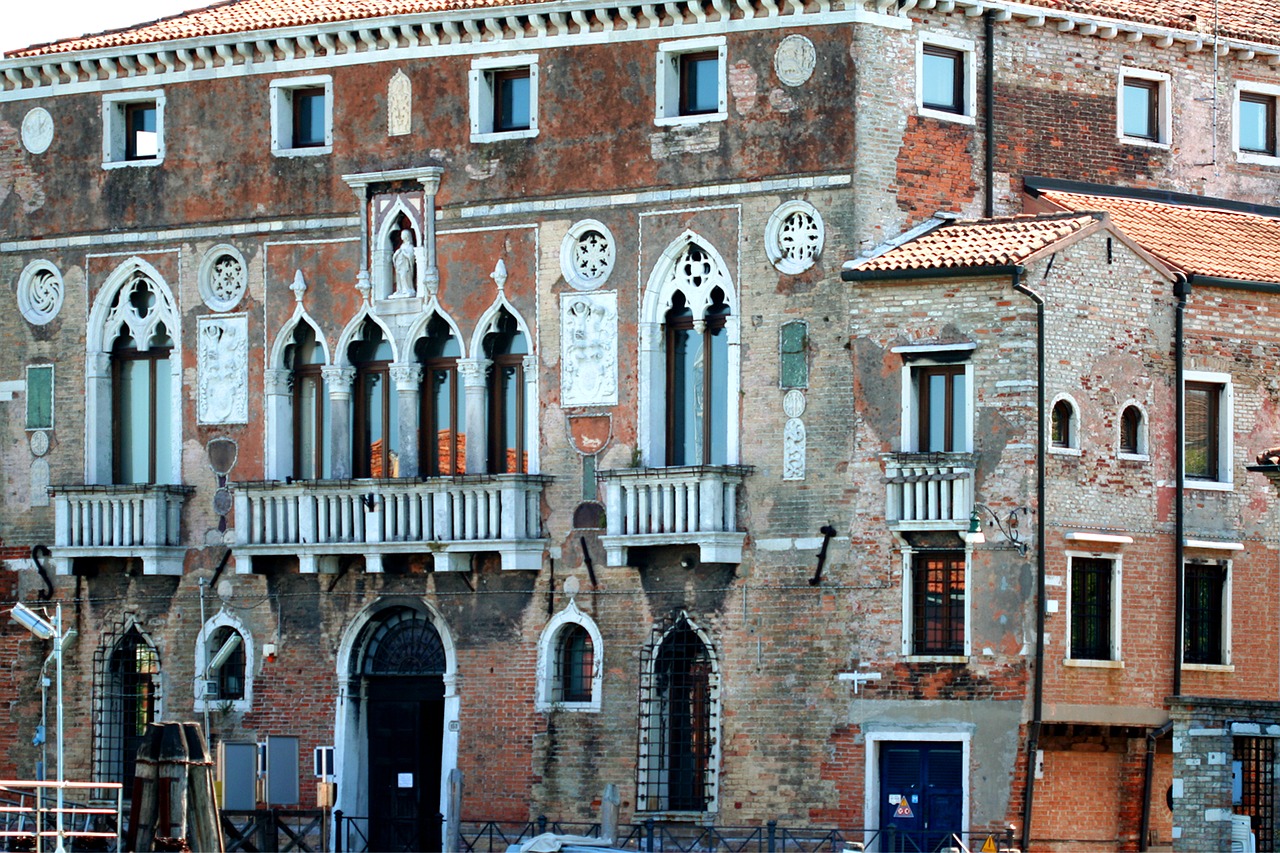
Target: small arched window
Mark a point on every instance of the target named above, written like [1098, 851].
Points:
[128, 704]
[225, 679]
[506, 346]
[376, 444]
[574, 665]
[444, 444]
[1131, 437]
[1063, 427]
[304, 358]
[569, 663]
[697, 382]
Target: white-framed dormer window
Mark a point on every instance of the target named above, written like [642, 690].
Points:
[937, 399]
[570, 663]
[1208, 408]
[935, 605]
[224, 665]
[504, 98]
[1133, 433]
[133, 129]
[1143, 116]
[1253, 131]
[945, 84]
[302, 116]
[1093, 608]
[1064, 426]
[692, 81]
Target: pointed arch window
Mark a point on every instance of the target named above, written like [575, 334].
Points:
[444, 443]
[697, 382]
[680, 719]
[142, 395]
[376, 440]
[506, 347]
[304, 358]
[129, 703]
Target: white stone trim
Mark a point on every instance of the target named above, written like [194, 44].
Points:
[204, 279]
[1072, 447]
[1164, 112]
[223, 618]
[1100, 538]
[873, 797]
[169, 235]
[1116, 605]
[40, 309]
[548, 648]
[910, 404]
[667, 80]
[1225, 481]
[573, 275]
[480, 82]
[1143, 454]
[774, 236]
[1212, 545]
[114, 130]
[281, 109]
[1251, 87]
[966, 49]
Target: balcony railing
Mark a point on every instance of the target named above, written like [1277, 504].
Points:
[928, 490]
[143, 522]
[452, 517]
[695, 505]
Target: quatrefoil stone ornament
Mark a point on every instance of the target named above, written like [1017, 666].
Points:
[587, 255]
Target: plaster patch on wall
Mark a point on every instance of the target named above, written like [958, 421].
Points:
[743, 86]
[697, 139]
[223, 396]
[486, 170]
[781, 101]
[16, 176]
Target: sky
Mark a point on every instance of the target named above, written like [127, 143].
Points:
[27, 22]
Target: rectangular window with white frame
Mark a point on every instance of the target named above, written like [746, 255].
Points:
[1254, 128]
[1143, 116]
[302, 116]
[504, 98]
[692, 81]
[937, 406]
[1206, 613]
[133, 129]
[945, 84]
[936, 605]
[1093, 607]
[1208, 408]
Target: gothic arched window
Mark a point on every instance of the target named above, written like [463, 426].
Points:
[376, 441]
[443, 416]
[304, 358]
[506, 347]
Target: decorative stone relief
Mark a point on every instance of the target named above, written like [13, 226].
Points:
[223, 389]
[794, 60]
[40, 292]
[39, 443]
[399, 104]
[794, 441]
[587, 254]
[223, 278]
[793, 236]
[589, 349]
[39, 482]
[37, 130]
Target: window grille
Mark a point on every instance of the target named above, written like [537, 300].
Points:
[126, 700]
[1256, 757]
[404, 643]
[679, 699]
[574, 665]
[937, 587]
[1091, 608]
[1202, 628]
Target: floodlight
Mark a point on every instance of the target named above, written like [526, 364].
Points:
[33, 622]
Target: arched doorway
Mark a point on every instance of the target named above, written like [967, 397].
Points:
[401, 667]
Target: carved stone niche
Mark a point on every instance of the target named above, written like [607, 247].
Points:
[398, 262]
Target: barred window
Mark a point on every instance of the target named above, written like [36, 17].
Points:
[574, 665]
[1091, 604]
[938, 603]
[1205, 585]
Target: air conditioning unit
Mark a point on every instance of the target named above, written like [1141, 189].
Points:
[210, 688]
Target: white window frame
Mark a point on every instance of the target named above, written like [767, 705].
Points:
[1164, 115]
[114, 127]
[966, 48]
[282, 115]
[910, 437]
[1116, 660]
[909, 612]
[871, 768]
[480, 79]
[667, 96]
[1144, 453]
[1270, 90]
[1226, 431]
[549, 648]
[223, 619]
[1227, 665]
[1073, 431]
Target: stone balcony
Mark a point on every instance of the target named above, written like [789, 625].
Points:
[451, 517]
[142, 522]
[693, 505]
[928, 491]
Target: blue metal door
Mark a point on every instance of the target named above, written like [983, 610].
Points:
[921, 794]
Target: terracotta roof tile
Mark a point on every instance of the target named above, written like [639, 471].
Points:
[1200, 240]
[978, 243]
[1249, 20]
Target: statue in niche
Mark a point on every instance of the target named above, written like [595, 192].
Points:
[404, 265]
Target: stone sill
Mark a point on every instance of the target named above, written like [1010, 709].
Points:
[1085, 663]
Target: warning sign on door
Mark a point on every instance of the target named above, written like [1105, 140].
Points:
[989, 846]
[904, 808]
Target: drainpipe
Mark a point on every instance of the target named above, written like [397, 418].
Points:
[1037, 706]
[1181, 289]
[988, 110]
[1148, 777]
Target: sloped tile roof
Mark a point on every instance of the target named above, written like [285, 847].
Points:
[1249, 20]
[1197, 240]
[974, 244]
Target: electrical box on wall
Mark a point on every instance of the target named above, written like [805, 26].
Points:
[238, 773]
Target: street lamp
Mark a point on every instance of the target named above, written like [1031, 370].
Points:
[1007, 524]
[43, 629]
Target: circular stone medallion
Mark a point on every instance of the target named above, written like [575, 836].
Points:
[794, 60]
[39, 443]
[37, 130]
[793, 403]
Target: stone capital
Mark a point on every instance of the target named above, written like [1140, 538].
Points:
[474, 371]
[339, 379]
[406, 376]
[277, 380]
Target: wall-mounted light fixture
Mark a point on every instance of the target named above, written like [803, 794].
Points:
[1007, 524]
